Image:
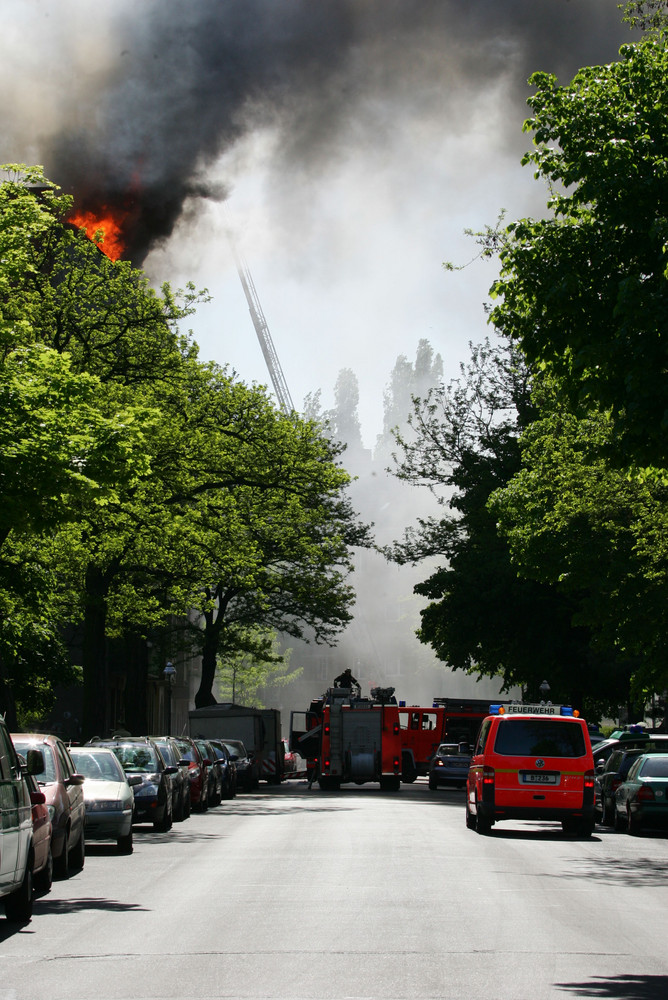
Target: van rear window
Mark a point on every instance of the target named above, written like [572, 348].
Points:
[539, 737]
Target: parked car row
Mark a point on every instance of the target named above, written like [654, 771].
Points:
[54, 798]
[631, 790]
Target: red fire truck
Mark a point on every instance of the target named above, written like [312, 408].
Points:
[449, 720]
[346, 738]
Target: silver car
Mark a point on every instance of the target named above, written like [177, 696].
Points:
[107, 794]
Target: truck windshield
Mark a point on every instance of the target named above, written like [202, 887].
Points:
[539, 737]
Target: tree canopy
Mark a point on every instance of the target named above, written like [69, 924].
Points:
[584, 291]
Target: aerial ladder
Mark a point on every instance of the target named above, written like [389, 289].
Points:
[262, 330]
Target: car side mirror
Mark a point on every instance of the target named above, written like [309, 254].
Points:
[171, 769]
[76, 779]
[134, 779]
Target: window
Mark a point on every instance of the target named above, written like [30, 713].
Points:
[539, 738]
[655, 767]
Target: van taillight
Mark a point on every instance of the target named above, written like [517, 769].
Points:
[326, 730]
[589, 779]
[488, 775]
[397, 764]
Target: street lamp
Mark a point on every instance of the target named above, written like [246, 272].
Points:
[169, 673]
[544, 690]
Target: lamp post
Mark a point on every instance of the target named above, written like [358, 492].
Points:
[169, 673]
[544, 690]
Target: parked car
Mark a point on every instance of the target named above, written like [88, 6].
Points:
[108, 796]
[248, 773]
[642, 800]
[227, 766]
[449, 765]
[198, 773]
[16, 830]
[628, 741]
[609, 777]
[42, 865]
[62, 786]
[214, 771]
[153, 795]
[180, 783]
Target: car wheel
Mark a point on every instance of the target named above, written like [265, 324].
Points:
[78, 858]
[607, 810]
[633, 824]
[483, 825]
[432, 784]
[619, 822]
[61, 864]
[18, 905]
[43, 880]
[165, 823]
[124, 844]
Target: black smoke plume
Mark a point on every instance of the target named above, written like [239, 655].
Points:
[189, 78]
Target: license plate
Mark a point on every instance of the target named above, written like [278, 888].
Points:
[539, 777]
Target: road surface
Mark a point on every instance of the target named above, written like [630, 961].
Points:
[293, 893]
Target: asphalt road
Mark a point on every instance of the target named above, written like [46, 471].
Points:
[293, 893]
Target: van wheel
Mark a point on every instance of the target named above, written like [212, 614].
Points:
[470, 818]
[483, 825]
[18, 905]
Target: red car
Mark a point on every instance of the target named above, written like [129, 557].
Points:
[198, 773]
[42, 865]
[62, 787]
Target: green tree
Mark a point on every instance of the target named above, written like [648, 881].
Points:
[482, 617]
[584, 291]
[243, 675]
[598, 536]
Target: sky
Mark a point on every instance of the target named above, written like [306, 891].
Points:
[348, 144]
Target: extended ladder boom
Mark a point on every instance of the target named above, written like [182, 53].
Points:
[262, 330]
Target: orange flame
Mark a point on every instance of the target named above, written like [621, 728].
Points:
[108, 222]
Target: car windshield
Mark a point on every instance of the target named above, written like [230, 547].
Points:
[136, 758]
[98, 766]
[655, 767]
[236, 748]
[49, 772]
[539, 737]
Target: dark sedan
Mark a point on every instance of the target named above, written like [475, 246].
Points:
[450, 765]
[248, 775]
[642, 800]
[228, 768]
[153, 796]
[608, 779]
[171, 753]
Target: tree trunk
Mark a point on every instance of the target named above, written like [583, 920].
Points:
[204, 696]
[7, 701]
[95, 720]
[136, 677]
